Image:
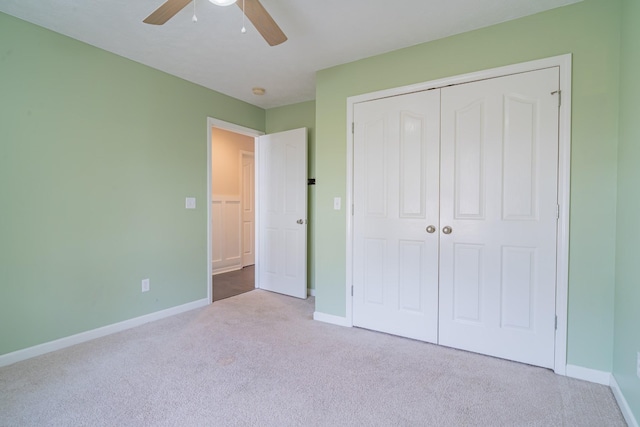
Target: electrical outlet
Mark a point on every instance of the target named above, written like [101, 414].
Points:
[638, 365]
[145, 285]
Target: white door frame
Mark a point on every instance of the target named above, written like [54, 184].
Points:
[232, 127]
[564, 165]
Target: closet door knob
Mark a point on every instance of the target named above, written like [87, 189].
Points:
[447, 230]
[431, 229]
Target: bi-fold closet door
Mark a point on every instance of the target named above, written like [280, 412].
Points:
[455, 215]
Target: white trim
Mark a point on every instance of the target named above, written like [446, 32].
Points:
[564, 173]
[349, 212]
[329, 318]
[523, 67]
[230, 208]
[232, 127]
[223, 270]
[311, 292]
[588, 374]
[40, 349]
[209, 217]
[257, 224]
[564, 187]
[623, 404]
[608, 379]
[236, 198]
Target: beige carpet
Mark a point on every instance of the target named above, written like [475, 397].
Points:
[259, 360]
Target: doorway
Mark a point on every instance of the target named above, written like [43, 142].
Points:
[233, 213]
[280, 212]
[231, 233]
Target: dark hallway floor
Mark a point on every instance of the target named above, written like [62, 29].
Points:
[234, 283]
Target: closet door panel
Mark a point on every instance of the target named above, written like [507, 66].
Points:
[395, 194]
[499, 172]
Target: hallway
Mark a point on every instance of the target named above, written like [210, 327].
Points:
[234, 283]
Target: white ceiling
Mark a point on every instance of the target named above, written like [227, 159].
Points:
[213, 52]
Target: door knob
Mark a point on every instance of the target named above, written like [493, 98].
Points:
[431, 229]
[300, 221]
[447, 230]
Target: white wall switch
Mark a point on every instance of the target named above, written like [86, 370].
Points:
[190, 203]
[145, 285]
[337, 202]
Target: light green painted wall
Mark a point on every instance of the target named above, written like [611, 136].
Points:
[292, 117]
[97, 154]
[627, 314]
[589, 30]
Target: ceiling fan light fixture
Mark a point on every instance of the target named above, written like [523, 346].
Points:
[223, 2]
[256, 13]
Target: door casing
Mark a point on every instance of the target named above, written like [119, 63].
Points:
[564, 158]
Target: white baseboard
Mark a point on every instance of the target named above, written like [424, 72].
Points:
[311, 292]
[588, 374]
[40, 349]
[329, 318]
[623, 404]
[604, 378]
[227, 269]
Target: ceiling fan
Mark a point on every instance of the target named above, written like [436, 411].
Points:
[253, 10]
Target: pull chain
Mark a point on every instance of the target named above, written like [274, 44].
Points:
[243, 30]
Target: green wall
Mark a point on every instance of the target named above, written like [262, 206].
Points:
[292, 117]
[590, 31]
[627, 314]
[97, 155]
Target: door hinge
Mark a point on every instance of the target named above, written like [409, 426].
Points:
[353, 209]
[559, 92]
[556, 325]
[351, 290]
[353, 128]
[557, 211]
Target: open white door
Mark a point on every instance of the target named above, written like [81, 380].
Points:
[282, 215]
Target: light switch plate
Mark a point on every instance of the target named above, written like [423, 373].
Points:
[337, 203]
[145, 285]
[190, 203]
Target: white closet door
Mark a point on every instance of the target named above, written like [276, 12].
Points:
[396, 161]
[499, 196]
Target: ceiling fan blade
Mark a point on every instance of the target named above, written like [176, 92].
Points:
[166, 11]
[263, 22]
